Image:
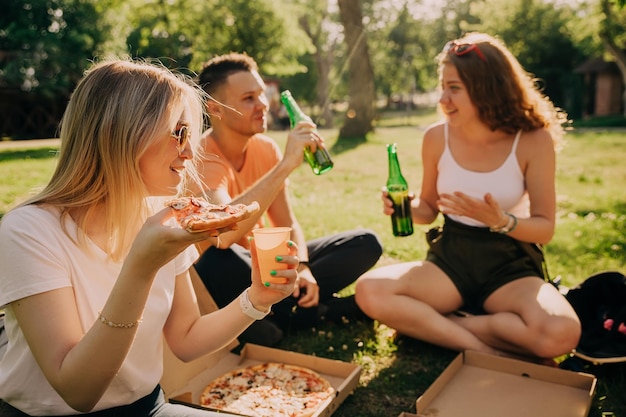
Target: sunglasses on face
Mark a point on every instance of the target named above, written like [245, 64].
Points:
[463, 49]
[181, 134]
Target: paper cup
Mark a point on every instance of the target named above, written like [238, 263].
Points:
[271, 242]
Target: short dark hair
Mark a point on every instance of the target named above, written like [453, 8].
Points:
[216, 70]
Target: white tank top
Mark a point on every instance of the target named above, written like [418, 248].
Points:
[505, 183]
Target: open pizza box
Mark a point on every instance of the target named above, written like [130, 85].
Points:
[184, 382]
[482, 385]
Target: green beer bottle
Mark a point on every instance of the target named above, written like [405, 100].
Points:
[319, 160]
[398, 189]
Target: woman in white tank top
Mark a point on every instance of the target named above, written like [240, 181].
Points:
[489, 169]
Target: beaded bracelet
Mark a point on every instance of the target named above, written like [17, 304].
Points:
[510, 225]
[109, 323]
[512, 216]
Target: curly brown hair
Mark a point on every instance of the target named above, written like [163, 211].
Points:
[506, 96]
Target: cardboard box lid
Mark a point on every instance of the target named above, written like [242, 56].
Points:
[482, 385]
[176, 373]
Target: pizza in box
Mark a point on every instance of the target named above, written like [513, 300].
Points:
[268, 389]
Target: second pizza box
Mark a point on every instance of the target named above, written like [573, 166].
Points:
[482, 385]
[184, 382]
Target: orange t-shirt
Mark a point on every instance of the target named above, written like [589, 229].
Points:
[262, 154]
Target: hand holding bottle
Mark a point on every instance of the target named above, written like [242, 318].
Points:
[388, 202]
[398, 192]
[316, 155]
[302, 137]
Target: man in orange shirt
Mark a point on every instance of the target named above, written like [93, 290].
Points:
[241, 164]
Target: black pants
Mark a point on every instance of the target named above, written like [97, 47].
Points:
[336, 261]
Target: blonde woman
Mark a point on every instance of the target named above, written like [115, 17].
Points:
[489, 168]
[95, 273]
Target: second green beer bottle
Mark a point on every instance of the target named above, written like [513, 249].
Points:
[320, 160]
[398, 189]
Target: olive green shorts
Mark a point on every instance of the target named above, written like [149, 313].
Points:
[479, 261]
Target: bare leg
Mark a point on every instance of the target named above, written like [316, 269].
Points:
[527, 316]
[413, 298]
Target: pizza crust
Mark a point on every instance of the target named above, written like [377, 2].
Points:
[268, 389]
[198, 215]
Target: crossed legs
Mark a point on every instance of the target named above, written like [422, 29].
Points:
[526, 316]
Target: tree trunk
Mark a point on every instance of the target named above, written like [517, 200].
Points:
[323, 62]
[620, 60]
[608, 34]
[361, 107]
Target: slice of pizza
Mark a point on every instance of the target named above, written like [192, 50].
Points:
[195, 214]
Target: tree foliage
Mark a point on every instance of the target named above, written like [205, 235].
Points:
[45, 45]
[541, 35]
[158, 32]
[188, 32]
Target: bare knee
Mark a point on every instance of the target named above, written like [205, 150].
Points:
[368, 296]
[556, 336]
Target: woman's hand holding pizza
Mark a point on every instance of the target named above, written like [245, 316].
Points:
[184, 221]
[264, 295]
[157, 242]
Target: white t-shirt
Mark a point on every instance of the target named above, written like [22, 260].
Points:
[506, 183]
[37, 256]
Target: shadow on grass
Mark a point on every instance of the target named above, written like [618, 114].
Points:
[344, 144]
[398, 371]
[395, 388]
[35, 153]
[395, 371]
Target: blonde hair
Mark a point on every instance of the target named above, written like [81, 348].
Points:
[116, 111]
[507, 97]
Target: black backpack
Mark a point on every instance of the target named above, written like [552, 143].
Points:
[600, 302]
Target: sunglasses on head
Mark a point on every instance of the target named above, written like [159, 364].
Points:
[181, 134]
[463, 49]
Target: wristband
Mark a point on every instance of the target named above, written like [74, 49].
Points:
[248, 309]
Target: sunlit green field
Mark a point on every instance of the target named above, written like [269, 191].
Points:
[590, 237]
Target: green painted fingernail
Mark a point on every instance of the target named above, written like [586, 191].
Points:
[279, 258]
[267, 284]
[272, 272]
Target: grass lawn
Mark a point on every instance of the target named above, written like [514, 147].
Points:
[590, 237]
